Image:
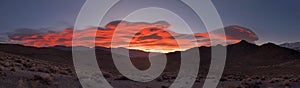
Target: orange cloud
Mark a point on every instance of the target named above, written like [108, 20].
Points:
[152, 37]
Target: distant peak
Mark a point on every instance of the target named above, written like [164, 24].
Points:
[269, 44]
[218, 45]
[244, 42]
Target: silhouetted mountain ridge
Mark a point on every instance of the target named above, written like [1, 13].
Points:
[240, 55]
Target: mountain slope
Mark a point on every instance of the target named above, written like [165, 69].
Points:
[21, 72]
[295, 45]
[245, 57]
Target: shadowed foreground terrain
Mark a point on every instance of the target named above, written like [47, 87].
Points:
[247, 66]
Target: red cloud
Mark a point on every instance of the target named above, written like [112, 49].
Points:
[153, 37]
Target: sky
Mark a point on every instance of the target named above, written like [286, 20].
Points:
[272, 20]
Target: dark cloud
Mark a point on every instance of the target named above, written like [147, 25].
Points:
[153, 36]
[63, 40]
[28, 31]
[92, 38]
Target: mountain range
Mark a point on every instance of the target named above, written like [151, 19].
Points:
[238, 55]
[243, 59]
[295, 45]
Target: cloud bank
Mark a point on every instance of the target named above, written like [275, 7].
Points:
[153, 37]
